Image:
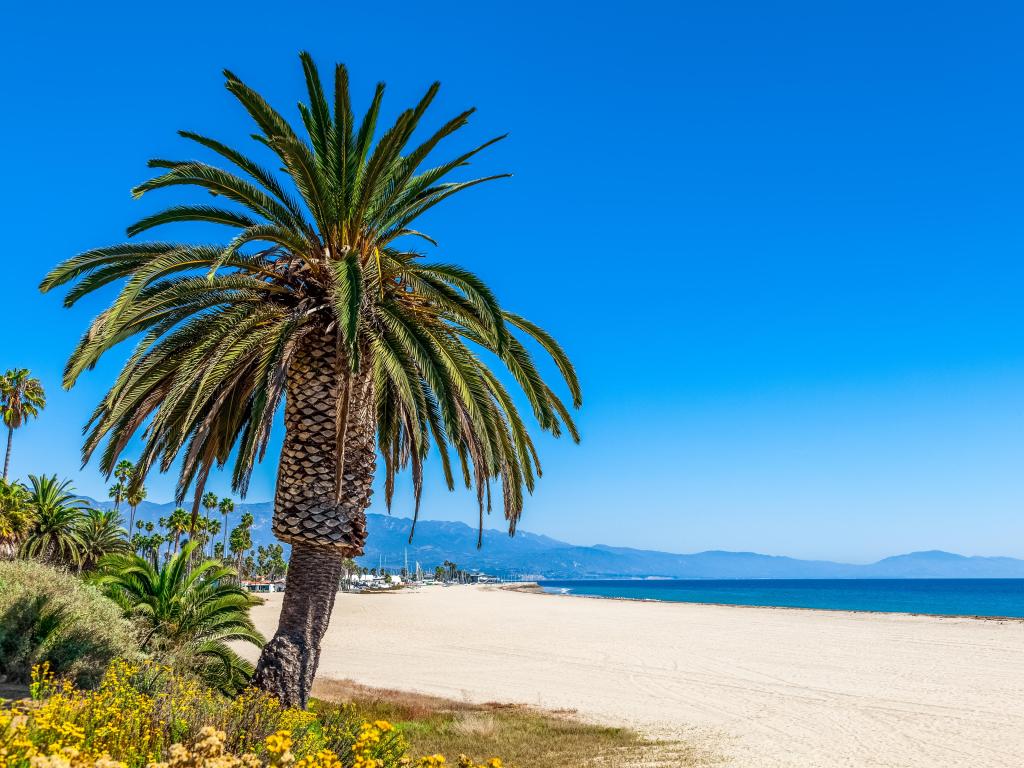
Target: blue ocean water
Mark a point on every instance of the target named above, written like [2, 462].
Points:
[946, 597]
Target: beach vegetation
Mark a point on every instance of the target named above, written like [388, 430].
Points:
[186, 611]
[524, 737]
[58, 516]
[16, 517]
[50, 616]
[101, 534]
[147, 714]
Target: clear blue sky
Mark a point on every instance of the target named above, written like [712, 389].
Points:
[782, 241]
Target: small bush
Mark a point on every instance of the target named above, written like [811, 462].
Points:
[47, 615]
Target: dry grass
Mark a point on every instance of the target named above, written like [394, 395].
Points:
[522, 736]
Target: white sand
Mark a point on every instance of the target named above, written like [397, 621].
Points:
[765, 687]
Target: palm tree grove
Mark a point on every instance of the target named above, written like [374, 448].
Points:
[318, 298]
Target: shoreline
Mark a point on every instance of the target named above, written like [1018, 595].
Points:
[534, 588]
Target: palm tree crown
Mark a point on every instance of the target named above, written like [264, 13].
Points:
[59, 514]
[101, 534]
[221, 324]
[21, 398]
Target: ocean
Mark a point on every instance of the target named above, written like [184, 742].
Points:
[943, 597]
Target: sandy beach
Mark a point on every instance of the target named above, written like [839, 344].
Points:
[758, 686]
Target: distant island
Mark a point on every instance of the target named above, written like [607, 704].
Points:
[533, 556]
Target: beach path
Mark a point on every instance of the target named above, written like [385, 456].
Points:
[760, 686]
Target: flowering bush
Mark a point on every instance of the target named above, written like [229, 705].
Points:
[144, 715]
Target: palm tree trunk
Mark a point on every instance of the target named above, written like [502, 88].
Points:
[324, 521]
[7, 458]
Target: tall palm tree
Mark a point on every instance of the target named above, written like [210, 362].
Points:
[119, 490]
[135, 496]
[209, 502]
[227, 506]
[56, 535]
[101, 534]
[16, 517]
[241, 538]
[21, 398]
[177, 524]
[196, 611]
[117, 493]
[214, 529]
[317, 299]
[155, 540]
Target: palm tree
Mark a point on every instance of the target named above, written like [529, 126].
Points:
[155, 540]
[177, 524]
[57, 534]
[136, 495]
[21, 398]
[214, 529]
[117, 493]
[119, 490]
[196, 611]
[241, 538]
[227, 506]
[209, 504]
[101, 534]
[318, 300]
[16, 517]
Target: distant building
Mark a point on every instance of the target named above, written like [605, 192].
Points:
[263, 586]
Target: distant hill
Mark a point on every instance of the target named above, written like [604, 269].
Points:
[532, 556]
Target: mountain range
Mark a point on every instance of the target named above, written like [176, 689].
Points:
[533, 556]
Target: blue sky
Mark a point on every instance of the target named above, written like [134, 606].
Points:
[782, 241]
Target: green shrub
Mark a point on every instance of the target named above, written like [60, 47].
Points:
[48, 615]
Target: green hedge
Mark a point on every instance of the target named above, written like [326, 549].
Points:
[50, 615]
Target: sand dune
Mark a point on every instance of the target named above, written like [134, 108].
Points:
[761, 686]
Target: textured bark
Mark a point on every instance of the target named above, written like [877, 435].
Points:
[319, 507]
[309, 507]
[7, 456]
[289, 661]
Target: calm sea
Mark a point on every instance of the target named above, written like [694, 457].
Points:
[951, 597]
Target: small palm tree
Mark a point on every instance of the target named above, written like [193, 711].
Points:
[119, 490]
[136, 495]
[56, 535]
[101, 534]
[241, 538]
[187, 612]
[213, 527]
[155, 540]
[317, 300]
[177, 524]
[117, 493]
[210, 504]
[21, 398]
[16, 517]
[227, 506]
